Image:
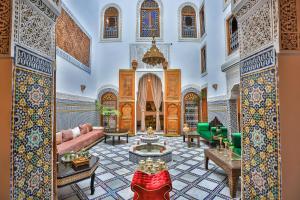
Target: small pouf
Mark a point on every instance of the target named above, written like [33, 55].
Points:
[151, 186]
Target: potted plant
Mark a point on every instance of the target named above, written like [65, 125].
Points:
[107, 112]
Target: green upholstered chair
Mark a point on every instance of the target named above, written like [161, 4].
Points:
[203, 131]
[236, 141]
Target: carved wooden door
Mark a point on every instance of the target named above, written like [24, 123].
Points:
[127, 100]
[204, 105]
[172, 100]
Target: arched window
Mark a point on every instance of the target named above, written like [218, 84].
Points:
[109, 100]
[149, 19]
[232, 34]
[188, 22]
[111, 23]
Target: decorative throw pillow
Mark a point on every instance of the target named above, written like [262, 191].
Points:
[76, 132]
[83, 130]
[67, 135]
[59, 139]
[90, 127]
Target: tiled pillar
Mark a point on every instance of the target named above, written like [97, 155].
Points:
[33, 99]
[258, 34]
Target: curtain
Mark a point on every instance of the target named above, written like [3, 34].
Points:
[142, 99]
[156, 89]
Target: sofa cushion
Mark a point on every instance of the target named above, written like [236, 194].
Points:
[76, 132]
[206, 135]
[67, 135]
[80, 142]
[59, 139]
[203, 127]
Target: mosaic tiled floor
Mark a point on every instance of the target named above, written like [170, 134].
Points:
[189, 177]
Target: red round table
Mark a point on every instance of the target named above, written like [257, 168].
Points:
[151, 186]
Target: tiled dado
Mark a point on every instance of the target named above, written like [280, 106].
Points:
[73, 112]
[260, 139]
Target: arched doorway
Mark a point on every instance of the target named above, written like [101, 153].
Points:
[150, 103]
[235, 109]
[109, 100]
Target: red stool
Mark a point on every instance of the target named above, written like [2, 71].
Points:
[151, 186]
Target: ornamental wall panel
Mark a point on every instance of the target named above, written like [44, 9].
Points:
[34, 27]
[289, 25]
[5, 27]
[72, 40]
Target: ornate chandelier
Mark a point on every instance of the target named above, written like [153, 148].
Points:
[153, 56]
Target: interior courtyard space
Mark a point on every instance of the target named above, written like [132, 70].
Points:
[149, 99]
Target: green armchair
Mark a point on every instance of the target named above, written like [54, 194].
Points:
[236, 142]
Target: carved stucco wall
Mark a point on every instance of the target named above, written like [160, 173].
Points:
[33, 92]
[290, 35]
[5, 21]
[73, 40]
[258, 33]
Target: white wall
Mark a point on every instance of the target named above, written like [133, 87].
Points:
[109, 57]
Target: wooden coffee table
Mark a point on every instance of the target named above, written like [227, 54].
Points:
[67, 175]
[113, 135]
[190, 136]
[232, 167]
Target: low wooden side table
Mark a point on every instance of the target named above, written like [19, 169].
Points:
[231, 166]
[190, 136]
[113, 135]
[67, 175]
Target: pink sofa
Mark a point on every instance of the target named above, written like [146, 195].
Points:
[70, 140]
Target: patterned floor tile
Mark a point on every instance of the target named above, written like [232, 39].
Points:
[126, 193]
[199, 172]
[114, 184]
[189, 177]
[191, 162]
[217, 177]
[178, 185]
[122, 171]
[208, 184]
[106, 176]
[183, 167]
[99, 191]
[174, 172]
[113, 166]
[118, 159]
[197, 193]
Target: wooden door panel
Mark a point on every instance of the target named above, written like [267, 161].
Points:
[172, 102]
[204, 108]
[127, 100]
